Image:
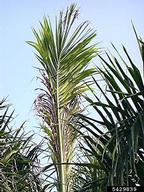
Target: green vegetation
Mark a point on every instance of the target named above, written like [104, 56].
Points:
[115, 132]
[18, 156]
[84, 152]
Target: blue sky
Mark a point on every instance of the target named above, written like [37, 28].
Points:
[110, 18]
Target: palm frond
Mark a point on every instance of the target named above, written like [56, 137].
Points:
[116, 129]
[64, 54]
[18, 156]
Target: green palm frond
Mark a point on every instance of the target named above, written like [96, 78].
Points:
[89, 174]
[64, 54]
[117, 129]
[18, 157]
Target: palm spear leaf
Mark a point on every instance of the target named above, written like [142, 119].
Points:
[64, 54]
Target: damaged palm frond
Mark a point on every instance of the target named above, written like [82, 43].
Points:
[64, 52]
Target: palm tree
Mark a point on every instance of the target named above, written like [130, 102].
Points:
[64, 54]
[116, 127]
[18, 157]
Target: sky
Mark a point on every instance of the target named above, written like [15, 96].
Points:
[110, 18]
